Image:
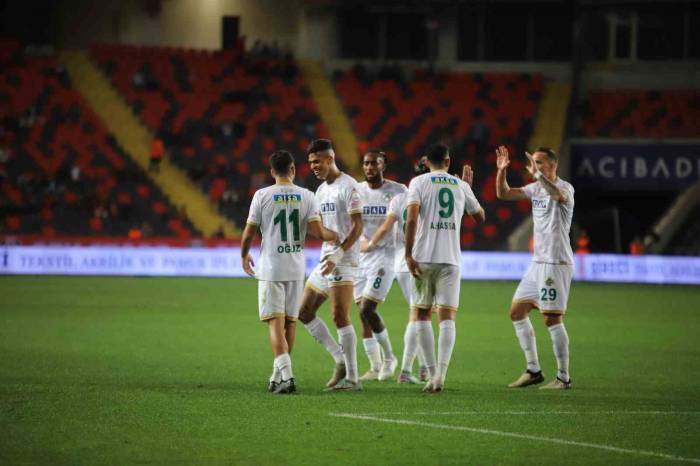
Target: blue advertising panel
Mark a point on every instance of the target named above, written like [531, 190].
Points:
[643, 167]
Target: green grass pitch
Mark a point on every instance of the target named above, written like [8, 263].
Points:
[173, 371]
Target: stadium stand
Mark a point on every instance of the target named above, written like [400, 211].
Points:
[472, 113]
[686, 242]
[61, 173]
[219, 113]
[641, 114]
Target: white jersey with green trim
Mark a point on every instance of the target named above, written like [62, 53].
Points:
[282, 212]
[375, 208]
[443, 199]
[552, 222]
[337, 201]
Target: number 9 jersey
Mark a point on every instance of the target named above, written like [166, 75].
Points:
[443, 199]
[282, 212]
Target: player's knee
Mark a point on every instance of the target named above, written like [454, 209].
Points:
[552, 319]
[517, 313]
[306, 313]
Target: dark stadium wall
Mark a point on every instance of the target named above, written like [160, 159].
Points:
[175, 23]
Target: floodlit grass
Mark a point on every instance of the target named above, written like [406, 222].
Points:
[139, 370]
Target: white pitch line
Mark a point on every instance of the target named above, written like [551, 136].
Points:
[529, 413]
[537, 438]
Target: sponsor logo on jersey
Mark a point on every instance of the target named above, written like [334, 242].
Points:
[286, 198]
[374, 210]
[442, 179]
[327, 207]
[540, 204]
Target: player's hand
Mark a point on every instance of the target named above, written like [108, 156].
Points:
[248, 264]
[329, 261]
[467, 174]
[327, 267]
[502, 158]
[532, 167]
[413, 267]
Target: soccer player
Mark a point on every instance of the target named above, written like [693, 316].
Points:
[341, 211]
[282, 212]
[376, 265]
[396, 223]
[436, 203]
[548, 279]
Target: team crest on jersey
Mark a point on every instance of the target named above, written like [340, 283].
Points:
[549, 282]
[381, 272]
[286, 198]
[442, 179]
[387, 197]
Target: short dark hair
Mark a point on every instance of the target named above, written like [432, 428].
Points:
[551, 155]
[281, 162]
[437, 153]
[319, 145]
[380, 153]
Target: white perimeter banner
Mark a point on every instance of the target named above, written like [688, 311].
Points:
[226, 262]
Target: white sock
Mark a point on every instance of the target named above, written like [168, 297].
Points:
[383, 339]
[283, 363]
[410, 347]
[276, 376]
[426, 342]
[526, 336]
[374, 354]
[421, 357]
[446, 343]
[348, 343]
[319, 330]
[560, 344]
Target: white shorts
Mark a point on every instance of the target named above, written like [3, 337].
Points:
[279, 299]
[374, 282]
[404, 279]
[439, 284]
[341, 275]
[545, 286]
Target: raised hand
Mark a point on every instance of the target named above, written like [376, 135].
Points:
[502, 158]
[532, 167]
[467, 174]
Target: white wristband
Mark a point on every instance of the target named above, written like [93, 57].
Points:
[370, 245]
[537, 175]
[335, 256]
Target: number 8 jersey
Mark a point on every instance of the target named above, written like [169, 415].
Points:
[282, 211]
[443, 199]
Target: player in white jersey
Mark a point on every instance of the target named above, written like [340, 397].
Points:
[376, 272]
[282, 212]
[436, 203]
[396, 224]
[341, 211]
[546, 283]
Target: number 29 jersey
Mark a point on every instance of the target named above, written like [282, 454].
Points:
[282, 212]
[443, 199]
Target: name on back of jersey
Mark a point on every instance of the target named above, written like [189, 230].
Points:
[443, 226]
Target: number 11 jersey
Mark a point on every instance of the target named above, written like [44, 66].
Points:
[282, 212]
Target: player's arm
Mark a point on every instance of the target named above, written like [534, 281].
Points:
[503, 191]
[411, 227]
[246, 242]
[317, 230]
[552, 189]
[383, 229]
